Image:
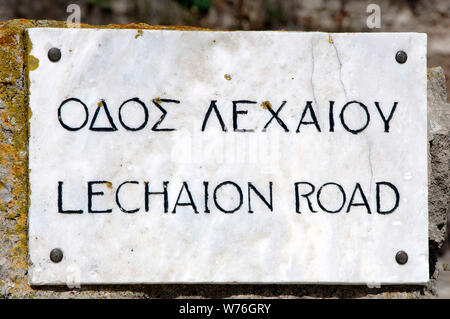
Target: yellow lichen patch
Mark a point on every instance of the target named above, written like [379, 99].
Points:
[6, 122]
[22, 24]
[14, 49]
[109, 184]
[433, 73]
[9, 57]
[2, 206]
[33, 62]
[266, 105]
[146, 27]
[7, 39]
[330, 39]
[7, 151]
[29, 114]
[157, 100]
[140, 33]
[227, 76]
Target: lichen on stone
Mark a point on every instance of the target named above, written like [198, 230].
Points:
[15, 63]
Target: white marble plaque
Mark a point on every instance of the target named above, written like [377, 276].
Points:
[162, 156]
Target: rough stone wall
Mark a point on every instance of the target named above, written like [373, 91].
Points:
[439, 158]
[14, 115]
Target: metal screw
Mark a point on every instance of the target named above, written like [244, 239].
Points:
[401, 257]
[401, 57]
[54, 54]
[56, 255]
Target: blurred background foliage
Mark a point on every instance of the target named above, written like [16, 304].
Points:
[325, 15]
[430, 16]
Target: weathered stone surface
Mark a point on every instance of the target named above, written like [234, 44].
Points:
[13, 218]
[439, 159]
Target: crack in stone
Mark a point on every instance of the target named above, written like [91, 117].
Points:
[340, 68]
[367, 138]
[312, 82]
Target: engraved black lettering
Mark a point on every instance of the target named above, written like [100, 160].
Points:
[236, 112]
[341, 190]
[269, 203]
[67, 127]
[306, 195]
[189, 203]
[364, 199]
[60, 202]
[331, 116]
[397, 198]
[164, 192]
[118, 201]
[341, 116]
[309, 108]
[164, 113]
[144, 123]
[275, 116]
[238, 189]
[91, 193]
[205, 185]
[102, 106]
[212, 107]
[391, 114]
